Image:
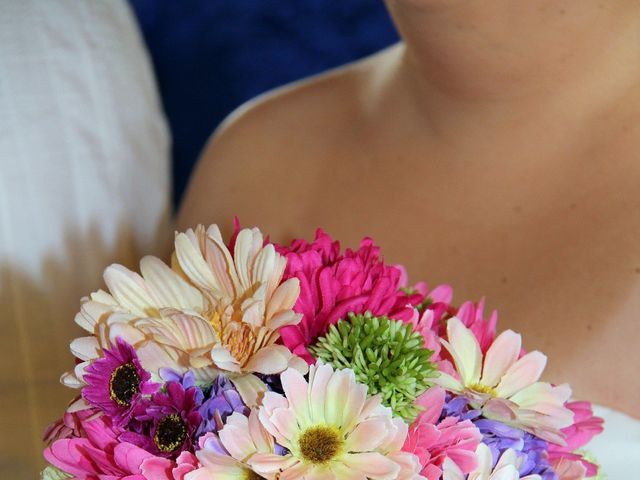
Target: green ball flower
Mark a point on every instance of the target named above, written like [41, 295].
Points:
[386, 355]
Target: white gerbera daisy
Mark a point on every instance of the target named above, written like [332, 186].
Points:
[504, 384]
[332, 431]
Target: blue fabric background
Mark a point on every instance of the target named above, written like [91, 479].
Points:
[210, 56]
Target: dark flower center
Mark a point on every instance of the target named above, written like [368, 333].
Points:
[320, 444]
[124, 384]
[253, 476]
[171, 433]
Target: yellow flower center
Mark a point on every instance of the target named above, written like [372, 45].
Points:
[236, 336]
[320, 444]
[484, 389]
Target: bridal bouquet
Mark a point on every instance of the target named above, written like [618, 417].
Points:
[251, 360]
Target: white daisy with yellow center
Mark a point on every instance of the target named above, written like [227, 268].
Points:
[505, 384]
[332, 430]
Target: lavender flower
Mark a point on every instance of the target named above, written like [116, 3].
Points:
[221, 401]
[458, 406]
[187, 380]
[531, 450]
[499, 437]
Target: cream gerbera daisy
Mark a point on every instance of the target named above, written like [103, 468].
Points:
[505, 385]
[211, 310]
[332, 431]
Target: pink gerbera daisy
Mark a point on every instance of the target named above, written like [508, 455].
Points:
[91, 449]
[433, 441]
[116, 383]
[585, 426]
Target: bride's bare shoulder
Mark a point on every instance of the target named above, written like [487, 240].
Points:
[261, 163]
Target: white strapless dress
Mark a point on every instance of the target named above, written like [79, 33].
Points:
[617, 449]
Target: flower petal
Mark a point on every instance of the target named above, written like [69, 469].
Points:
[284, 297]
[449, 383]
[235, 437]
[193, 264]
[168, 288]
[465, 350]
[268, 463]
[296, 390]
[503, 353]
[521, 374]
[374, 465]
[368, 435]
[451, 471]
[85, 348]
[269, 360]
[250, 388]
[246, 248]
[128, 289]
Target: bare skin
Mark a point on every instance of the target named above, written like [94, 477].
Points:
[496, 149]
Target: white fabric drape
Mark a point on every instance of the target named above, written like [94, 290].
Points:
[84, 181]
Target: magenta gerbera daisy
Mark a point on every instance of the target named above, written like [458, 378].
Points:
[116, 383]
[334, 284]
[169, 423]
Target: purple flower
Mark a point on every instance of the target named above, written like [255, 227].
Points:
[188, 380]
[222, 400]
[217, 401]
[532, 450]
[117, 383]
[168, 424]
[499, 437]
[458, 406]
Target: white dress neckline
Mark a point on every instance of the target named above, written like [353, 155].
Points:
[617, 449]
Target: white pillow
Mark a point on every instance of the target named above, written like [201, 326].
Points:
[84, 181]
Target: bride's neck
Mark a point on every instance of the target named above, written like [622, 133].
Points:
[504, 59]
